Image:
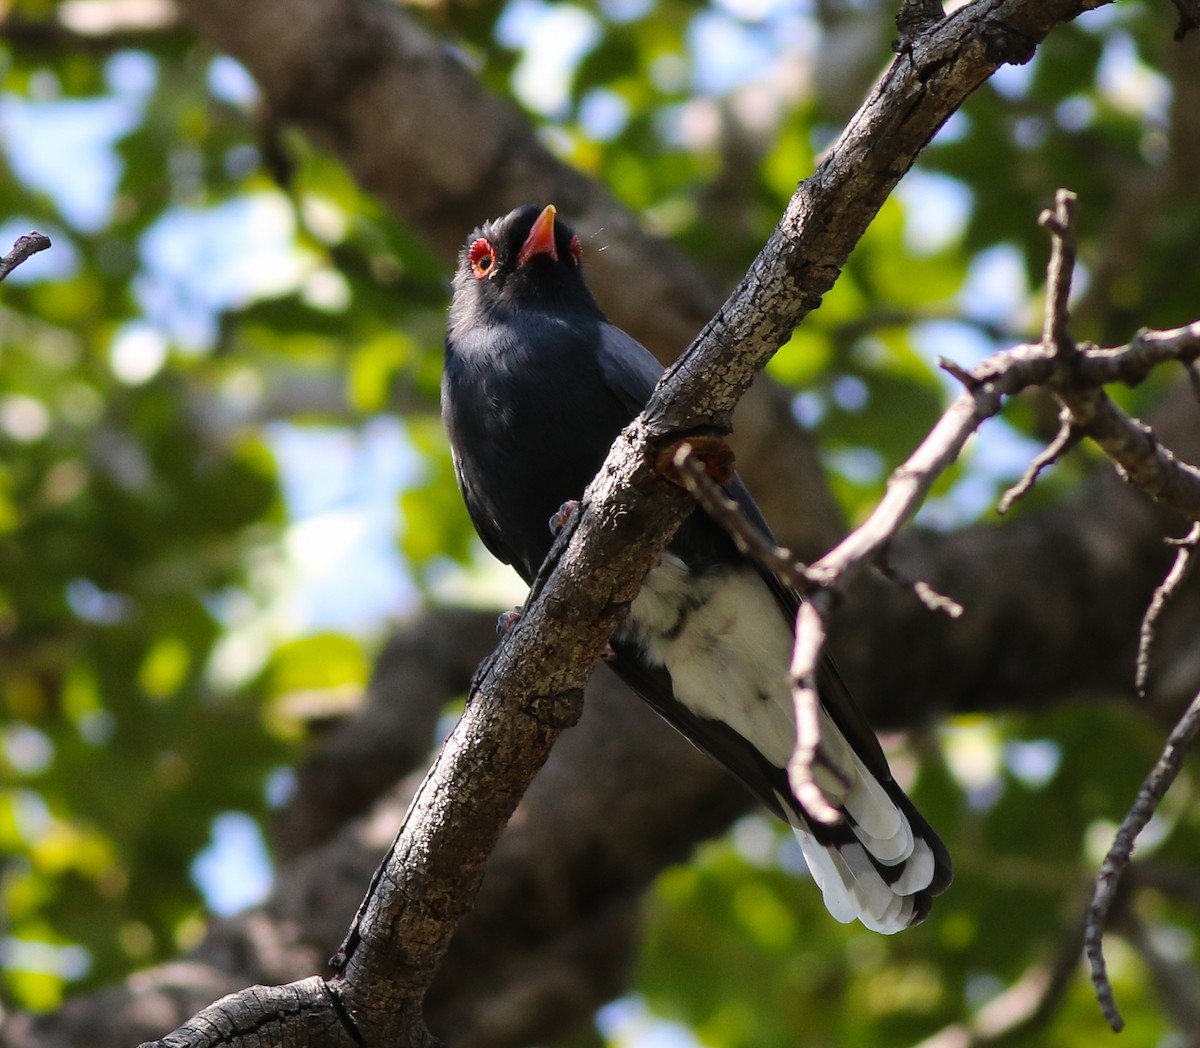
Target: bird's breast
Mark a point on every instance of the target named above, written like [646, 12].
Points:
[530, 426]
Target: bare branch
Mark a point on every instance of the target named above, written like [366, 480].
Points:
[1001, 375]
[1132, 446]
[806, 705]
[1132, 363]
[1074, 374]
[1064, 440]
[1162, 594]
[24, 248]
[1135, 451]
[809, 640]
[1061, 224]
[936, 601]
[924, 592]
[906, 490]
[1155, 787]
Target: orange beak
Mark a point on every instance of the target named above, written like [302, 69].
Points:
[541, 238]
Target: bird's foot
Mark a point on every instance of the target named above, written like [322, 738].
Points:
[565, 512]
[713, 453]
[508, 620]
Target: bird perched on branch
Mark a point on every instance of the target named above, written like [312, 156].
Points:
[537, 385]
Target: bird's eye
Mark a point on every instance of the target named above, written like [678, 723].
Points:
[482, 257]
[576, 249]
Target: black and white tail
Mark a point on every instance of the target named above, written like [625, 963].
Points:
[709, 649]
[882, 864]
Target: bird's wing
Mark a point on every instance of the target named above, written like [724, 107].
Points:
[481, 510]
[628, 368]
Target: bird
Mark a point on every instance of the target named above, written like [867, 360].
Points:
[537, 383]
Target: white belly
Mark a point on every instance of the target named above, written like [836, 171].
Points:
[726, 645]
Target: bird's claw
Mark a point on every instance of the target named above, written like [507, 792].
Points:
[565, 512]
[507, 620]
[713, 452]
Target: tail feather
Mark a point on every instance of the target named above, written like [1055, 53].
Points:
[881, 864]
[878, 821]
[919, 870]
[853, 891]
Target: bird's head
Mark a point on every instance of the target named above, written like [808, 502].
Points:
[526, 260]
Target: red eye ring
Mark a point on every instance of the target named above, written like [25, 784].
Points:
[482, 257]
[576, 248]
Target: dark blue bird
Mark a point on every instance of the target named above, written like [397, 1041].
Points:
[537, 385]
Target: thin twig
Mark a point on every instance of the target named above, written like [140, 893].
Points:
[1087, 409]
[1162, 594]
[1061, 224]
[922, 590]
[24, 248]
[806, 702]
[1064, 440]
[936, 601]
[969, 382]
[1135, 451]
[1164, 772]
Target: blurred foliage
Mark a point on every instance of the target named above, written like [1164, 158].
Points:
[214, 279]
